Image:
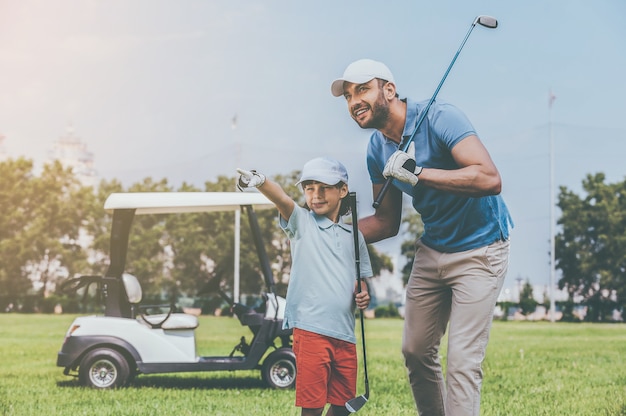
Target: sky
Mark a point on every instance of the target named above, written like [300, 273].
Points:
[155, 87]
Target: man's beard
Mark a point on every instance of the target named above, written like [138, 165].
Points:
[380, 116]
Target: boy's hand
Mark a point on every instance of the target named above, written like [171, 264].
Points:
[362, 298]
[249, 179]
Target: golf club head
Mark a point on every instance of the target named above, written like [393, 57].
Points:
[356, 404]
[487, 21]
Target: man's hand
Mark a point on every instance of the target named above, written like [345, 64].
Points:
[401, 165]
[249, 179]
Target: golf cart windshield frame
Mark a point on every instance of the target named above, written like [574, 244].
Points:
[126, 205]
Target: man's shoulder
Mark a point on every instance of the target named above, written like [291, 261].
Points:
[375, 147]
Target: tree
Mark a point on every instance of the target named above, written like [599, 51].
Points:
[413, 227]
[527, 302]
[98, 225]
[380, 261]
[16, 194]
[202, 244]
[53, 229]
[41, 231]
[591, 248]
[146, 257]
[60, 210]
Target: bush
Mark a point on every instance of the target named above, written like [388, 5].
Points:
[389, 311]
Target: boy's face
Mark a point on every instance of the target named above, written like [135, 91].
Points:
[324, 199]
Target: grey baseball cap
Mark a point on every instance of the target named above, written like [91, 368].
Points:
[325, 170]
[360, 72]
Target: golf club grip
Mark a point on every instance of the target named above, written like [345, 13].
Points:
[405, 147]
[381, 194]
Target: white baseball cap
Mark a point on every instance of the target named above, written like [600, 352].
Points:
[360, 72]
[324, 170]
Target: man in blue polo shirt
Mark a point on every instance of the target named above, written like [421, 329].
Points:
[461, 258]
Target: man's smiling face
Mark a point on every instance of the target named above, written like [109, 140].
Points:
[367, 103]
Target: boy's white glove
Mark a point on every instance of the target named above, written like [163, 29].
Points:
[249, 179]
[401, 165]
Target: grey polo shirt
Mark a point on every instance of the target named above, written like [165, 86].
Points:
[320, 295]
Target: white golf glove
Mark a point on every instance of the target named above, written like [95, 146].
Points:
[249, 179]
[401, 165]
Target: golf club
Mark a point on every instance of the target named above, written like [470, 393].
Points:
[358, 402]
[486, 21]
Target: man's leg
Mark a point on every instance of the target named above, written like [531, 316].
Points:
[476, 277]
[426, 316]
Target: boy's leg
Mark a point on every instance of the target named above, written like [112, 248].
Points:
[313, 364]
[343, 374]
[426, 316]
[335, 410]
[312, 412]
[477, 277]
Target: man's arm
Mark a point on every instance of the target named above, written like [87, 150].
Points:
[477, 174]
[385, 222]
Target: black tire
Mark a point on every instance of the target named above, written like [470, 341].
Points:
[279, 369]
[103, 368]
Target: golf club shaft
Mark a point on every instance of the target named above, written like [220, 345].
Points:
[367, 383]
[486, 21]
[357, 262]
[355, 232]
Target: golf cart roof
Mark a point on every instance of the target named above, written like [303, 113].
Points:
[178, 202]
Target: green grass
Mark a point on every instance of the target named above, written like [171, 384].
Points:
[531, 369]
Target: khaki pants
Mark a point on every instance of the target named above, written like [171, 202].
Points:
[462, 289]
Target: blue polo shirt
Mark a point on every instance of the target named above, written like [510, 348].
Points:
[452, 223]
[320, 295]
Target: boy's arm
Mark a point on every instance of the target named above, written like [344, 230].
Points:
[273, 191]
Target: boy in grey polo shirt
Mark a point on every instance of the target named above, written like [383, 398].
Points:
[322, 287]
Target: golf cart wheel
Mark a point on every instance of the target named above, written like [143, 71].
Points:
[103, 368]
[279, 369]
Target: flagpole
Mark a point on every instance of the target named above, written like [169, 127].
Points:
[551, 99]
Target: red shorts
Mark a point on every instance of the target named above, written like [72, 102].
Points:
[327, 370]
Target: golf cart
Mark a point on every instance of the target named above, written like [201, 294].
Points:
[108, 351]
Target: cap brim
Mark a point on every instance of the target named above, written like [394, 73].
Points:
[328, 180]
[337, 86]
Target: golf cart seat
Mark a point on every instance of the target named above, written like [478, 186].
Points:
[168, 321]
[248, 316]
[272, 308]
